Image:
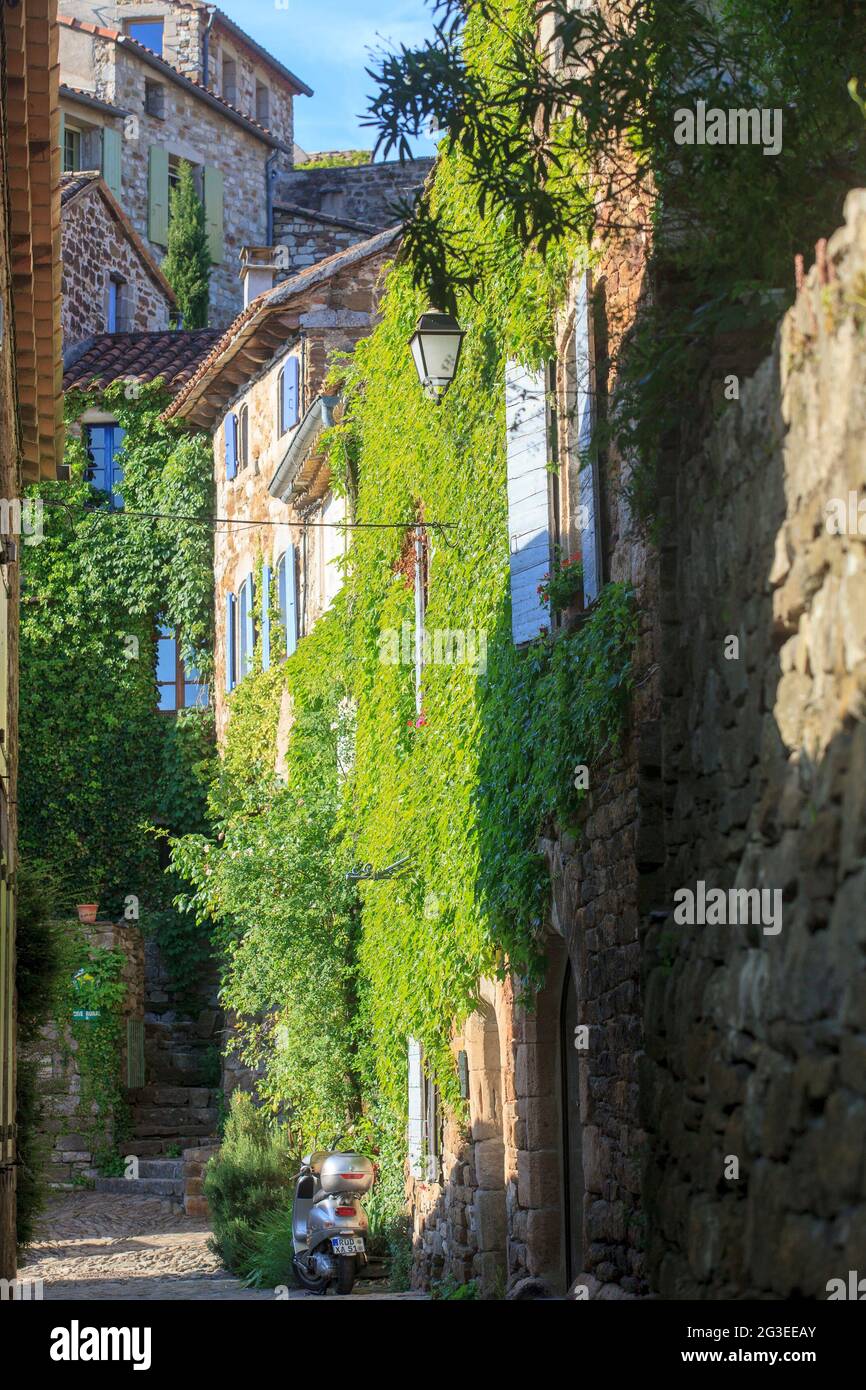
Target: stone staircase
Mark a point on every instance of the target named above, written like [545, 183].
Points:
[157, 1177]
[169, 1117]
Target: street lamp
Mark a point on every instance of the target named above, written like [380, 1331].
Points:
[435, 347]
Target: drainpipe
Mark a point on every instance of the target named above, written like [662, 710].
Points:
[205, 47]
[270, 179]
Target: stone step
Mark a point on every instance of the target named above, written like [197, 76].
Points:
[173, 1133]
[142, 1187]
[175, 1115]
[155, 1146]
[182, 1096]
[160, 1168]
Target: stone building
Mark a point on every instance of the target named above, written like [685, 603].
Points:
[111, 284]
[319, 211]
[131, 112]
[262, 393]
[31, 441]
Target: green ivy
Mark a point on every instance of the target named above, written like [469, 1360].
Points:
[103, 767]
[330, 980]
[97, 991]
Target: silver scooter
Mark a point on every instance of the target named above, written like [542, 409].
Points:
[328, 1222]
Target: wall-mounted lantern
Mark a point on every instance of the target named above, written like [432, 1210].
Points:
[435, 346]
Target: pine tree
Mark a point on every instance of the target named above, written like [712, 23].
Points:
[187, 261]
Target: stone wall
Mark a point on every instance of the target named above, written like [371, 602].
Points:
[95, 248]
[754, 1081]
[65, 1124]
[320, 211]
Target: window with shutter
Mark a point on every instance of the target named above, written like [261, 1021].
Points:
[245, 628]
[157, 195]
[231, 434]
[415, 1134]
[266, 617]
[289, 403]
[111, 150]
[588, 488]
[213, 213]
[231, 644]
[528, 497]
[287, 593]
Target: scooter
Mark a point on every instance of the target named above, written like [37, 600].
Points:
[328, 1222]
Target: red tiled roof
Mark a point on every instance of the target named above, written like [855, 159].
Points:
[156, 60]
[272, 300]
[109, 357]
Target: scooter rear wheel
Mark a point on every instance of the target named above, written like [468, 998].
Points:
[315, 1283]
[347, 1269]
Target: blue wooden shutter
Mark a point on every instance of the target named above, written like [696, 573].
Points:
[588, 485]
[111, 145]
[291, 600]
[266, 617]
[247, 630]
[213, 213]
[289, 404]
[157, 195]
[528, 497]
[231, 429]
[230, 643]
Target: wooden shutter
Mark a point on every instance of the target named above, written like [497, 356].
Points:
[245, 664]
[289, 405]
[157, 195]
[230, 643]
[588, 488]
[528, 497]
[266, 617]
[111, 147]
[415, 1132]
[213, 213]
[231, 433]
[291, 600]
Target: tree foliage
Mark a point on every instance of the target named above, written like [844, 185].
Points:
[187, 262]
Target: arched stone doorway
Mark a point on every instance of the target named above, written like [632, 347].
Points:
[487, 1108]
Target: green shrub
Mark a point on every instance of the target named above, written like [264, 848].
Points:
[270, 1263]
[246, 1184]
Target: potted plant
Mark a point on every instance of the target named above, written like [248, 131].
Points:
[87, 902]
[562, 586]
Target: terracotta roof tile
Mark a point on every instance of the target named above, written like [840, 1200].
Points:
[77, 183]
[156, 60]
[273, 299]
[109, 357]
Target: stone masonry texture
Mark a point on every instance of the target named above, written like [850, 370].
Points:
[755, 1042]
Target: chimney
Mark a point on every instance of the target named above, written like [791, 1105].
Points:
[258, 264]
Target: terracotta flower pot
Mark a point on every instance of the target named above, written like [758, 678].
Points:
[87, 911]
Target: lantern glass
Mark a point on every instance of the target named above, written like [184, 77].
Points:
[435, 348]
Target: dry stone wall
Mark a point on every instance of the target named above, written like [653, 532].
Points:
[754, 1079]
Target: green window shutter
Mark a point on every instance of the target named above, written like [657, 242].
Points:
[134, 1053]
[157, 195]
[213, 213]
[111, 160]
[62, 142]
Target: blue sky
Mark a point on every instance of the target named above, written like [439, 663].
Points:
[326, 42]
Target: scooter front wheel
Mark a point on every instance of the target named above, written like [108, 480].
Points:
[347, 1269]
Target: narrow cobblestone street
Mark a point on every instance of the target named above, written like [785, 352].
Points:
[95, 1245]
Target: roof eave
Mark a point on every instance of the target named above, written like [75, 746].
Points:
[318, 416]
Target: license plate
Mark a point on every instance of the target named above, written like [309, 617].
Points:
[347, 1245]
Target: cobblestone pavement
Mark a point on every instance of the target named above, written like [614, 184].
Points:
[95, 1245]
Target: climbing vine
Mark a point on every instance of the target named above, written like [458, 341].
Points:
[102, 765]
[94, 1017]
[331, 979]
